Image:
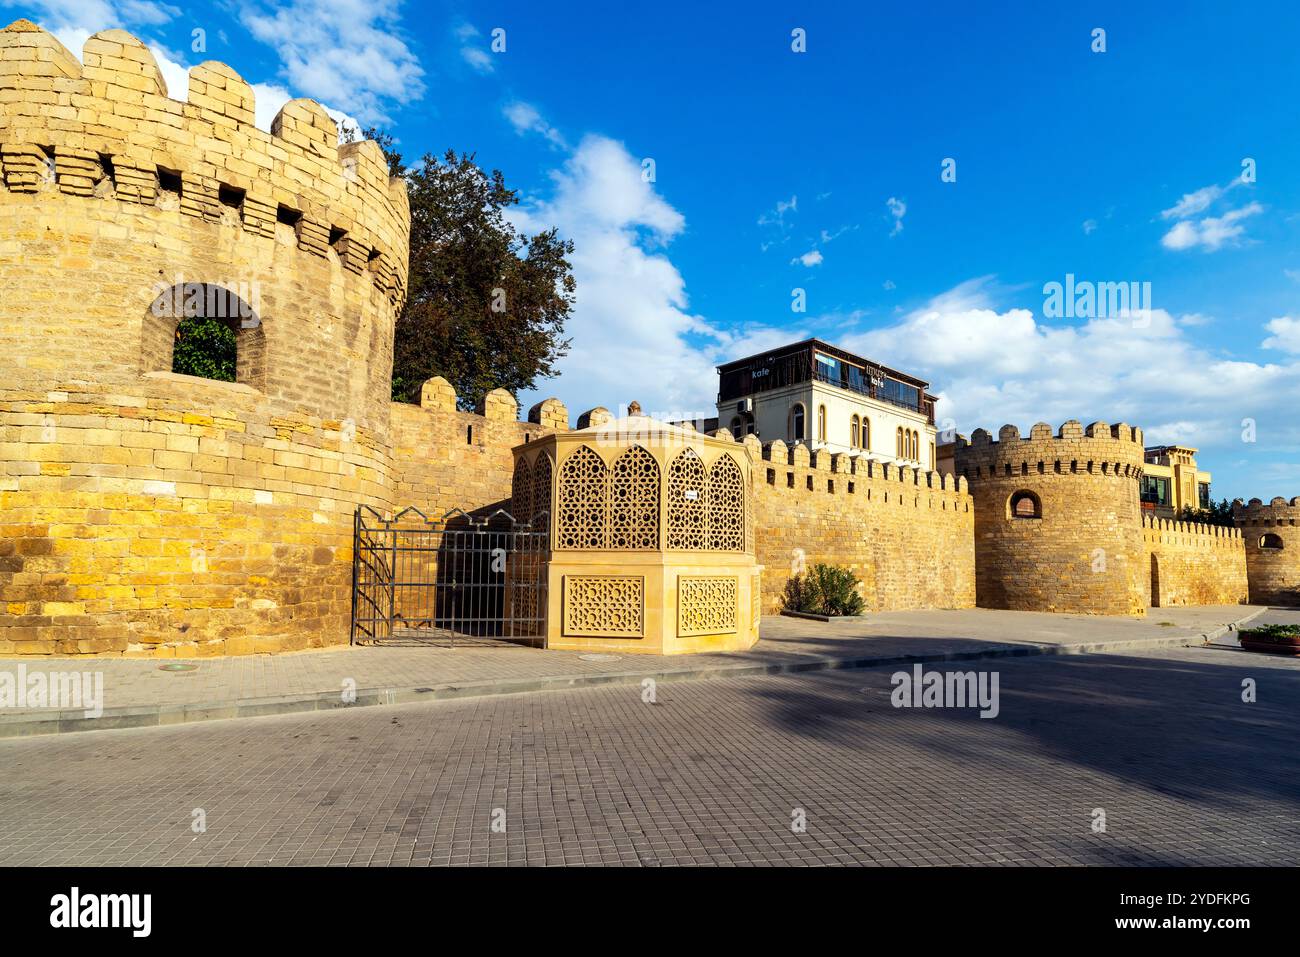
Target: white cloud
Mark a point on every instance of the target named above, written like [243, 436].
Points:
[897, 209]
[996, 365]
[1193, 203]
[345, 52]
[889, 284]
[1212, 232]
[525, 119]
[1089, 225]
[471, 50]
[811, 258]
[1285, 334]
[776, 217]
[634, 336]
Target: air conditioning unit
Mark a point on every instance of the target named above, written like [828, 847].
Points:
[745, 405]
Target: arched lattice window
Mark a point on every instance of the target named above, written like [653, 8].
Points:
[796, 422]
[726, 495]
[1271, 541]
[521, 498]
[854, 427]
[634, 501]
[687, 513]
[541, 486]
[582, 501]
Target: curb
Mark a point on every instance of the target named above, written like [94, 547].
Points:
[30, 724]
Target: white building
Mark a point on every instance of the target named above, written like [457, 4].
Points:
[827, 398]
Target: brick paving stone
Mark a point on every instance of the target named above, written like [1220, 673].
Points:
[1186, 772]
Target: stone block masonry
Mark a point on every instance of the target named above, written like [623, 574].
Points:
[1194, 564]
[906, 534]
[1057, 518]
[1272, 540]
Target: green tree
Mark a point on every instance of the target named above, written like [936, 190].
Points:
[1218, 513]
[486, 304]
[205, 347]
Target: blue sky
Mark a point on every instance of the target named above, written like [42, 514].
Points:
[776, 170]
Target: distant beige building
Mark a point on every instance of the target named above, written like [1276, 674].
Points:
[1171, 481]
[829, 399]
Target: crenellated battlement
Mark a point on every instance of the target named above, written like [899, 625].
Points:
[1159, 529]
[104, 129]
[1099, 449]
[800, 466]
[1255, 513]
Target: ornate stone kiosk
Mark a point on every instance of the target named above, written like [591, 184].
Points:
[651, 539]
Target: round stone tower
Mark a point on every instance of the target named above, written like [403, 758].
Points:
[1058, 522]
[147, 512]
[1272, 536]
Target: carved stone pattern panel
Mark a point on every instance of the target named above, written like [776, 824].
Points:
[521, 497]
[634, 501]
[541, 485]
[706, 606]
[581, 520]
[687, 515]
[604, 606]
[726, 506]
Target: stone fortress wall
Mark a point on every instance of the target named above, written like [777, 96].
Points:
[906, 533]
[1194, 564]
[146, 513]
[1272, 540]
[1079, 548]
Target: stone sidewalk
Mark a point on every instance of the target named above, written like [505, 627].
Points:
[139, 693]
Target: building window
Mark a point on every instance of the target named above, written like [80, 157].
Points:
[796, 422]
[1155, 490]
[1024, 504]
[934, 459]
[737, 428]
[821, 423]
[898, 450]
[1271, 541]
[866, 434]
[1203, 494]
[854, 428]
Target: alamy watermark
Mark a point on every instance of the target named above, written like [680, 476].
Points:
[952, 689]
[184, 299]
[63, 690]
[1082, 299]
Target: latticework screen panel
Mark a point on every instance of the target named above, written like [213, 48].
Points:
[541, 485]
[600, 508]
[604, 606]
[726, 506]
[581, 501]
[687, 503]
[521, 498]
[706, 605]
[634, 501]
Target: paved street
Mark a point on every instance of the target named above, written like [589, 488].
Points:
[712, 772]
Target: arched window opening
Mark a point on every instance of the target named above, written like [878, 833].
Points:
[866, 434]
[1025, 504]
[1271, 541]
[821, 423]
[854, 431]
[899, 443]
[796, 422]
[737, 428]
[207, 331]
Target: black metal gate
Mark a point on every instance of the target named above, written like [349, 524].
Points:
[451, 580]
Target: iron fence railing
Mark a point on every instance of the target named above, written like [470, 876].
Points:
[455, 578]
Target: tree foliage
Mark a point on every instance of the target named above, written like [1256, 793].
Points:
[1219, 513]
[205, 347]
[486, 304]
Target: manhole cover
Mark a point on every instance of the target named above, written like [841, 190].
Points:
[600, 657]
[179, 666]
